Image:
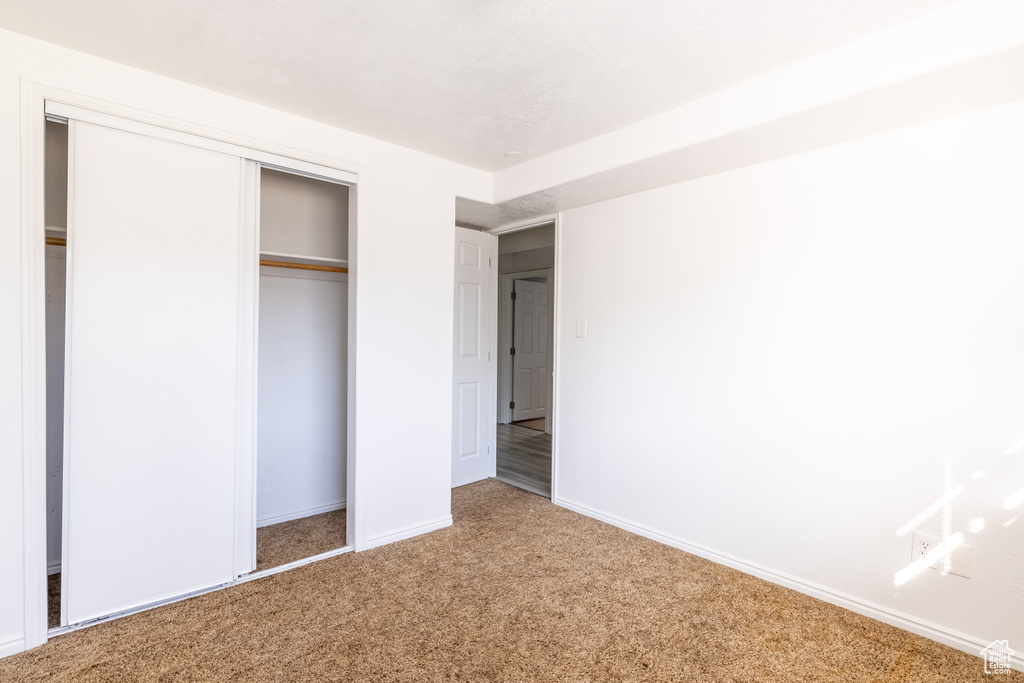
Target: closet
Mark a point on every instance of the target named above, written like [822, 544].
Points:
[303, 329]
[196, 348]
[56, 191]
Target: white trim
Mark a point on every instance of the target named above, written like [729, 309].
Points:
[40, 91]
[309, 512]
[244, 537]
[69, 254]
[60, 630]
[504, 341]
[291, 565]
[554, 286]
[137, 124]
[357, 220]
[941, 634]
[12, 647]
[33, 371]
[253, 490]
[525, 224]
[408, 532]
[493, 352]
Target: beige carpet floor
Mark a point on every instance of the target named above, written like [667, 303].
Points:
[53, 600]
[276, 544]
[517, 590]
[298, 539]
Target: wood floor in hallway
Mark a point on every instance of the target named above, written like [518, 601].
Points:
[524, 459]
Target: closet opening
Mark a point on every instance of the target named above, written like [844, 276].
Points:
[203, 436]
[56, 198]
[302, 386]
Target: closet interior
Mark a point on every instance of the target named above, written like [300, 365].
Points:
[56, 190]
[301, 364]
[303, 361]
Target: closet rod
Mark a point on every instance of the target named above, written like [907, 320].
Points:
[60, 242]
[303, 266]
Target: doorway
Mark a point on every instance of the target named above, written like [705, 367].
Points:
[490, 438]
[526, 262]
[524, 327]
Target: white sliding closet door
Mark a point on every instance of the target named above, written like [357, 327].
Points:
[154, 249]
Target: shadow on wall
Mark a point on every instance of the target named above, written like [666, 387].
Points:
[941, 553]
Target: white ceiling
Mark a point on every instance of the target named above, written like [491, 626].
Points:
[466, 80]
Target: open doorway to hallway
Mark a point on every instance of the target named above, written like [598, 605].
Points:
[526, 261]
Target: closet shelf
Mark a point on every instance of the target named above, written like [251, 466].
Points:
[301, 258]
[302, 262]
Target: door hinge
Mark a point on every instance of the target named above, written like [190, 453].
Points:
[512, 351]
[512, 404]
[513, 295]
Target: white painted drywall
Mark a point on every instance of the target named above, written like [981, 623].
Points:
[301, 439]
[56, 279]
[961, 35]
[523, 250]
[56, 175]
[403, 278]
[303, 216]
[820, 347]
[524, 240]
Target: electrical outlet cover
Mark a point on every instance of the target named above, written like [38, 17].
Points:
[957, 562]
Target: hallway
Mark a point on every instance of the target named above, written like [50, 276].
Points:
[524, 458]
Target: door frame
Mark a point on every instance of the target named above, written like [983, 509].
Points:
[505, 340]
[554, 316]
[34, 96]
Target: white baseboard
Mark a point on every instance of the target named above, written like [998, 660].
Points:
[408, 532]
[309, 512]
[12, 647]
[53, 568]
[941, 634]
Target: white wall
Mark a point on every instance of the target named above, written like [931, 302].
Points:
[788, 362]
[56, 191]
[524, 240]
[303, 216]
[301, 439]
[404, 283]
[56, 288]
[56, 173]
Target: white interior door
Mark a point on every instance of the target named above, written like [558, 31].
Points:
[474, 378]
[155, 234]
[530, 341]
